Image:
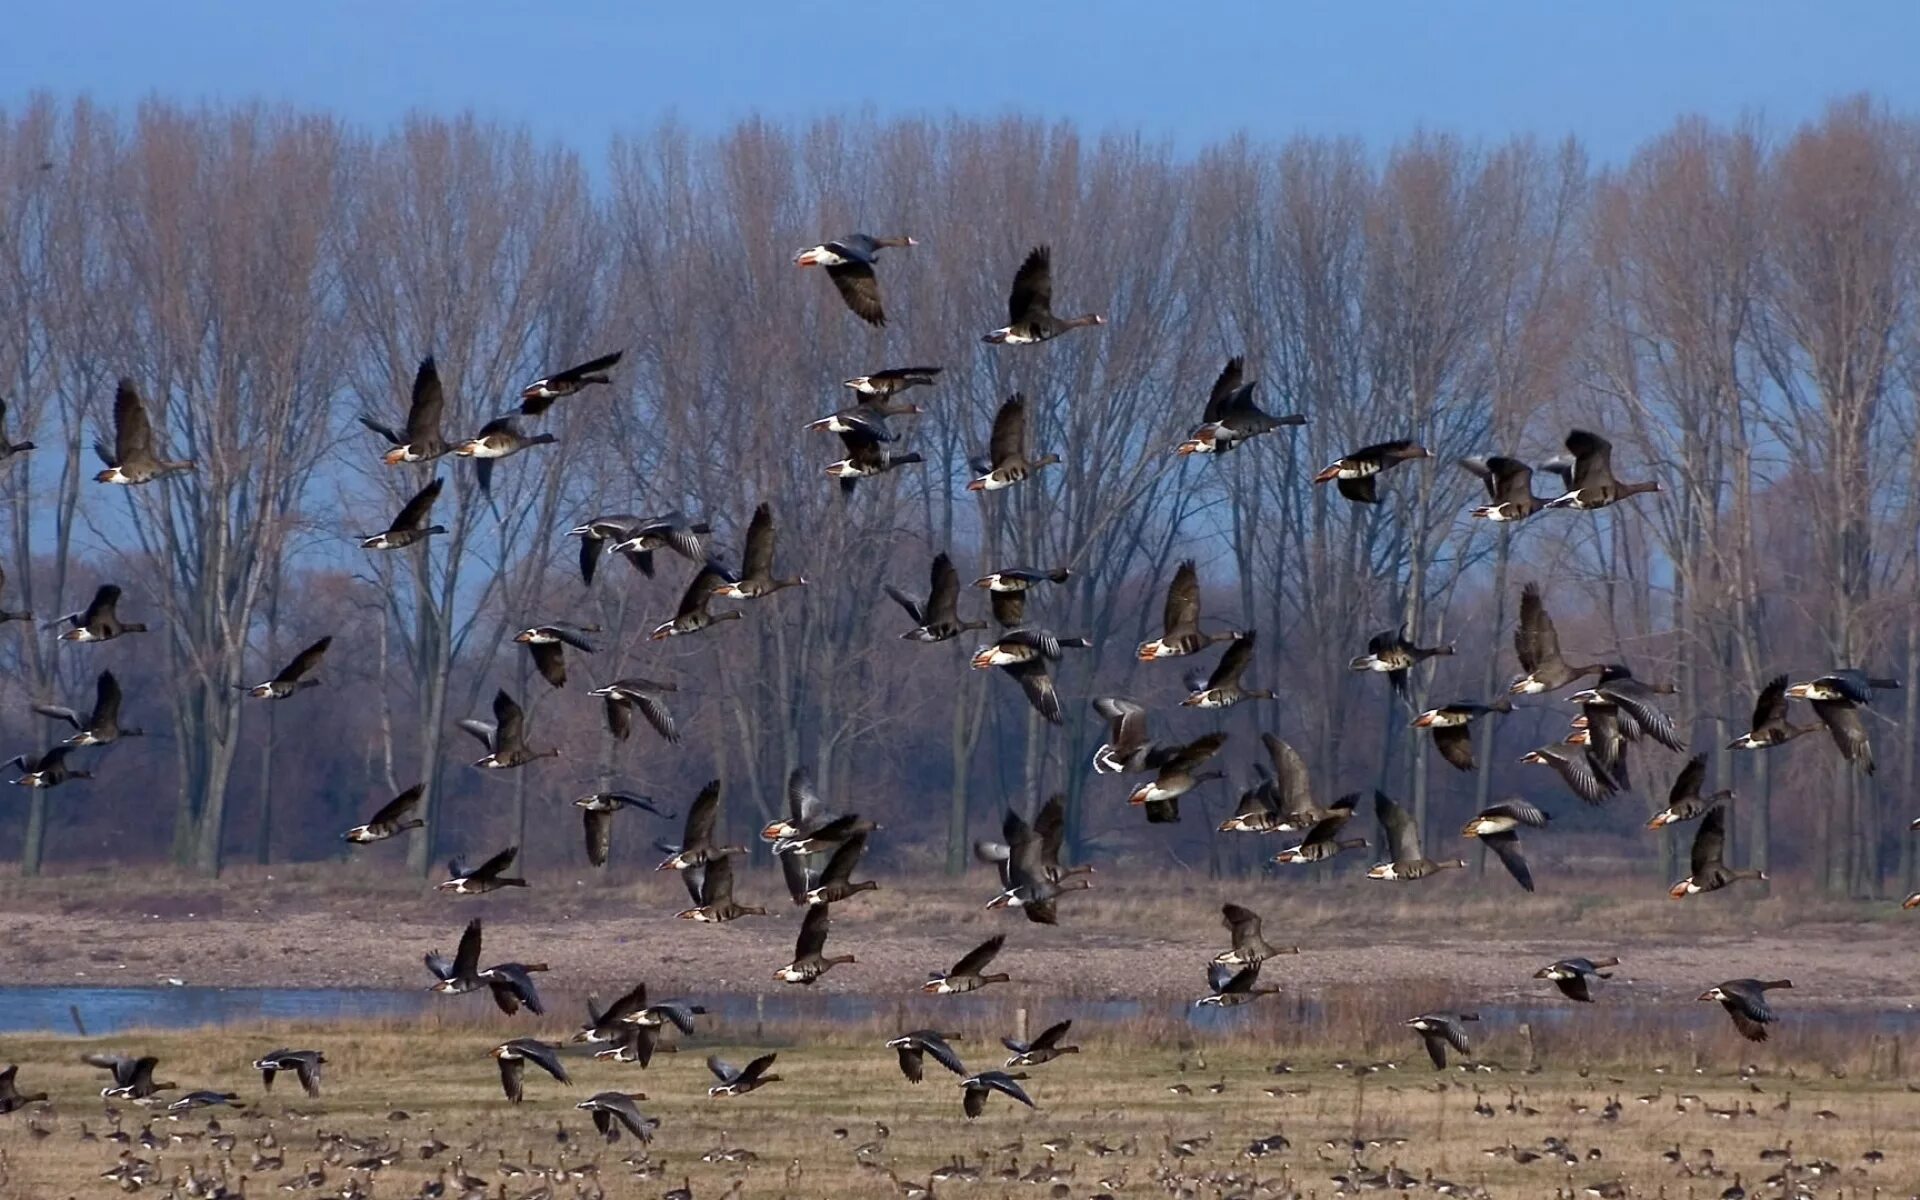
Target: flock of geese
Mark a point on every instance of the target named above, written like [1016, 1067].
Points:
[820, 851]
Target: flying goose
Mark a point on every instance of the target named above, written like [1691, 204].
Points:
[809, 960]
[596, 814]
[203, 1098]
[1323, 840]
[305, 1064]
[711, 887]
[1574, 976]
[967, 975]
[512, 986]
[1042, 1049]
[132, 459]
[613, 1110]
[756, 576]
[9, 447]
[1746, 1002]
[738, 1081]
[1222, 689]
[506, 738]
[293, 677]
[422, 440]
[806, 811]
[973, 1099]
[849, 263]
[1283, 799]
[613, 1024]
[132, 1076]
[6, 615]
[1439, 1030]
[1021, 579]
[538, 396]
[1227, 987]
[1024, 653]
[866, 457]
[836, 880]
[1590, 481]
[1537, 645]
[1710, 873]
[100, 621]
[915, 1047]
[462, 974]
[410, 524]
[1576, 768]
[1356, 475]
[1127, 748]
[893, 380]
[1605, 730]
[692, 615]
[1391, 652]
[548, 646]
[1030, 316]
[1836, 700]
[1449, 723]
[1509, 488]
[1180, 620]
[1231, 416]
[1031, 877]
[102, 725]
[1770, 724]
[1249, 947]
[622, 696]
[489, 876]
[1684, 802]
[1008, 461]
[696, 844]
[1178, 775]
[497, 439]
[1498, 828]
[1409, 861]
[1634, 699]
[867, 417]
[49, 770]
[636, 538]
[937, 620]
[12, 1099]
[388, 820]
[516, 1053]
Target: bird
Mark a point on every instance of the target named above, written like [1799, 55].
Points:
[1221, 688]
[100, 620]
[738, 1081]
[512, 986]
[893, 380]
[1590, 481]
[497, 439]
[506, 738]
[203, 1098]
[421, 440]
[1575, 768]
[132, 459]
[697, 847]
[1021, 579]
[1178, 774]
[5, 615]
[915, 1047]
[1709, 873]
[756, 579]
[596, 813]
[1394, 654]
[132, 1076]
[1684, 801]
[868, 417]
[1509, 488]
[1746, 1002]
[538, 396]
[867, 456]
[462, 973]
[1042, 1049]
[968, 975]
[978, 1087]
[1356, 475]
[1836, 700]
[1323, 840]
[613, 1111]
[1231, 416]
[388, 821]
[1449, 725]
[809, 960]
[548, 646]
[1030, 316]
[711, 888]
[938, 619]
[1574, 976]
[12, 1099]
[305, 1064]
[1283, 799]
[514, 1055]
[849, 263]
[293, 677]
[489, 876]
[410, 524]
[48, 770]
[102, 725]
[836, 879]
[692, 616]
[1031, 877]
[1228, 987]
[622, 696]
[1249, 947]
[1439, 1030]
[1127, 748]
[1180, 620]
[806, 811]
[1024, 653]
[636, 538]
[1409, 861]
[1008, 461]
[9, 447]
[1770, 724]
[1537, 645]
[1498, 828]
[1634, 699]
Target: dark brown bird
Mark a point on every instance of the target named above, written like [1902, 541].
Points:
[101, 727]
[1684, 801]
[915, 1047]
[1008, 460]
[1450, 726]
[1249, 947]
[810, 961]
[622, 696]
[938, 619]
[1180, 620]
[1409, 861]
[711, 887]
[1509, 486]
[1574, 976]
[1394, 653]
[1746, 1002]
[388, 820]
[410, 524]
[1837, 699]
[1590, 481]
[131, 459]
[1231, 416]
[1178, 775]
[849, 263]
[506, 738]
[1222, 688]
[1770, 724]
[1710, 874]
[422, 440]
[1498, 828]
[1537, 645]
[1357, 474]
[596, 813]
[293, 677]
[514, 1055]
[756, 579]
[539, 395]
[697, 846]
[1030, 316]
[548, 646]
[100, 622]
[968, 975]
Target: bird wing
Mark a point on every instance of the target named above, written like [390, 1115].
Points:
[716, 886]
[1403, 838]
[1455, 744]
[804, 805]
[550, 659]
[1436, 1044]
[1009, 440]
[758, 559]
[846, 856]
[1592, 458]
[943, 594]
[1360, 491]
[1292, 785]
[1535, 641]
[700, 591]
[860, 289]
[466, 959]
[757, 1067]
[106, 700]
[702, 814]
[1182, 611]
[1234, 662]
[1771, 706]
[423, 413]
[590, 367]
[1577, 771]
[1243, 924]
[511, 1070]
[1050, 826]
[1223, 389]
[1686, 785]
[1006, 1085]
[132, 434]
[1038, 685]
[1032, 293]
[305, 661]
[1194, 753]
[492, 868]
[1512, 479]
[1506, 847]
[103, 602]
[544, 1056]
[1709, 841]
[1650, 717]
[481, 730]
[976, 960]
[813, 932]
[942, 1053]
[414, 514]
[1843, 722]
[508, 721]
[1126, 723]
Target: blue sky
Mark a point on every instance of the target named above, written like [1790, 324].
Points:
[1611, 72]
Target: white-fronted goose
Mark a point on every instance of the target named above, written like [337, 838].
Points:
[938, 619]
[1836, 700]
[849, 263]
[836, 880]
[538, 396]
[514, 1055]
[132, 1076]
[102, 725]
[1449, 725]
[5, 615]
[203, 1098]
[512, 986]
[506, 738]
[1394, 654]
[806, 811]
[636, 538]
[1042, 1049]
[1180, 620]
[1509, 486]
[1024, 653]
[1222, 688]
[1008, 461]
[1575, 768]
[462, 974]
[611, 1024]
[756, 576]
[1282, 800]
[1357, 474]
[693, 616]
[596, 813]
[8, 447]
[599, 533]
[1227, 987]
[622, 696]
[1021, 579]
[388, 821]
[1249, 947]
[710, 885]
[100, 622]
[1746, 1002]
[738, 1081]
[1590, 481]
[1770, 724]
[547, 644]
[1323, 840]
[497, 439]
[1498, 827]
[305, 1064]
[410, 524]
[1178, 775]
[293, 677]
[915, 1047]
[613, 1111]
[1684, 801]
[489, 876]
[867, 418]
[1574, 976]
[1409, 861]
[1031, 877]
[696, 845]
[1710, 873]
[810, 961]
[867, 456]
[976, 1089]
[1030, 316]
[1439, 1030]
[1231, 416]
[132, 459]
[422, 440]
[1537, 645]
[826, 836]
[893, 380]
[1634, 699]
[969, 974]
[1127, 748]
[49, 770]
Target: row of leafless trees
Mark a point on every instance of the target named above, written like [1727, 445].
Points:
[1734, 307]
